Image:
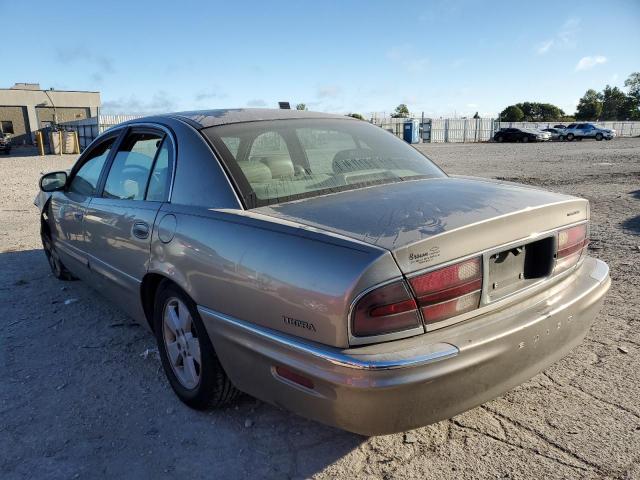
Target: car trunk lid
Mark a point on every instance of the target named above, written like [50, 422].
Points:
[433, 221]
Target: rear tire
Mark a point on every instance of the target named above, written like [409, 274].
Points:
[192, 367]
[561, 138]
[525, 139]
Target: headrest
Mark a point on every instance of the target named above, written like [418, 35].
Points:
[255, 172]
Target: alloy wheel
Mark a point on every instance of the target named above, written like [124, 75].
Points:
[181, 343]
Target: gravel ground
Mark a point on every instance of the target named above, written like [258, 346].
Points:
[83, 394]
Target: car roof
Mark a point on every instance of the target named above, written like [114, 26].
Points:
[211, 118]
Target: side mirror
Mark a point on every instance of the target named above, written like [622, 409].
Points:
[53, 181]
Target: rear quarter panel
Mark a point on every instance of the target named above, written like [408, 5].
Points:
[272, 273]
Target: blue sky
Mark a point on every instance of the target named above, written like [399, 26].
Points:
[440, 57]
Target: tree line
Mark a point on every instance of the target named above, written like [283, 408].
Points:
[609, 104]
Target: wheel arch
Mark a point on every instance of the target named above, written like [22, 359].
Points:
[149, 286]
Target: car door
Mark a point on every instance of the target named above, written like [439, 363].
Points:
[589, 130]
[68, 207]
[119, 221]
[581, 130]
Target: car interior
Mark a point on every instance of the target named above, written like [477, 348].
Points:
[282, 162]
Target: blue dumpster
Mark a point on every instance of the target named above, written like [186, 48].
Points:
[411, 131]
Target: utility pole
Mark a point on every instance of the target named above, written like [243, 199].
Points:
[55, 114]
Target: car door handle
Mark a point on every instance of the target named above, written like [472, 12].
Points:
[140, 230]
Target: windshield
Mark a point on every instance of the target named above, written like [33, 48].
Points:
[280, 160]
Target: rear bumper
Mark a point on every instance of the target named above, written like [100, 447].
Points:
[409, 383]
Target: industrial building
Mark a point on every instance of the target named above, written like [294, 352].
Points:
[25, 108]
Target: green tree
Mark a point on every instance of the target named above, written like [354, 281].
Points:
[614, 104]
[301, 106]
[402, 111]
[355, 115]
[589, 106]
[632, 107]
[512, 113]
[540, 112]
[633, 85]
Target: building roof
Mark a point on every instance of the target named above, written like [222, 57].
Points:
[212, 118]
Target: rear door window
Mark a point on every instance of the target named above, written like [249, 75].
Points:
[159, 181]
[130, 171]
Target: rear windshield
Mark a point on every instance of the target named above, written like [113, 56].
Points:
[280, 160]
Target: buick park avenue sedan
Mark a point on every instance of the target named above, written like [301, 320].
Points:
[321, 264]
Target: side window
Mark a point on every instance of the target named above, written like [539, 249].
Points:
[129, 174]
[86, 178]
[159, 180]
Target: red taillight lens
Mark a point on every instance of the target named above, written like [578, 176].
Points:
[572, 242]
[449, 291]
[385, 310]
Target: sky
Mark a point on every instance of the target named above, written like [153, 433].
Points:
[443, 58]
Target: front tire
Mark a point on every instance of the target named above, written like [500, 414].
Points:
[499, 139]
[561, 138]
[570, 137]
[525, 139]
[55, 264]
[186, 352]
[599, 137]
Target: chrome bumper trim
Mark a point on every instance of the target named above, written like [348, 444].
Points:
[389, 361]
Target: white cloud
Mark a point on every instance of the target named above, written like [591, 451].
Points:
[586, 63]
[328, 91]
[568, 32]
[208, 95]
[160, 102]
[405, 56]
[416, 65]
[257, 102]
[565, 37]
[544, 47]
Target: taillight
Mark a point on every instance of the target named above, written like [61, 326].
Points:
[387, 309]
[449, 291]
[572, 242]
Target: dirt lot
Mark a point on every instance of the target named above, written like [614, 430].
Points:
[80, 398]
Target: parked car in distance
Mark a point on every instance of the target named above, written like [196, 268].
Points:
[556, 133]
[561, 127]
[578, 131]
[5, 143]
[321, 264]
[521, 135]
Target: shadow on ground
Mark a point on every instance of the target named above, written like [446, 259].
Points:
[85, 392]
